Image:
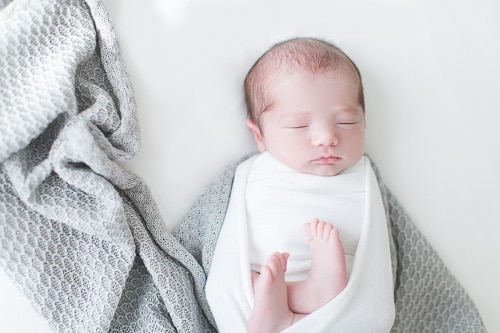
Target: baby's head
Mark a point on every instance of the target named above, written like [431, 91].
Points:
[298, 55]
[305, 106]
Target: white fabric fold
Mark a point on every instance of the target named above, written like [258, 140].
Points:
[365, 305]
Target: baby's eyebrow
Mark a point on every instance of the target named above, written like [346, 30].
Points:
[293, 116]
[351, 110]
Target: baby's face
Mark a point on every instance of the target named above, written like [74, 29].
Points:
[316, 124]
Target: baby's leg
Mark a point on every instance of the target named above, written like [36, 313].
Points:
[270, 312]
[328, 275]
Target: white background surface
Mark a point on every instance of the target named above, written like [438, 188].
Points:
[431, 73]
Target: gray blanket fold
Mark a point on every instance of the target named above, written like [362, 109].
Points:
[82, 237]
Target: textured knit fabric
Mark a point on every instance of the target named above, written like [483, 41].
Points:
[79, 235]
[82, 237]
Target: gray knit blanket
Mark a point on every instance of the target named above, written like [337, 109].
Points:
[82, 237]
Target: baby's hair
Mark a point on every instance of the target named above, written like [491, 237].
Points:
[309, 55]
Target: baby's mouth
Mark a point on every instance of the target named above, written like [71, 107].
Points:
[327, 159]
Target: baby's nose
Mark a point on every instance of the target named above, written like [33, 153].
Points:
[325, 137]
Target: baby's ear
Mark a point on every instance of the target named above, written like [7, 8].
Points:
[257, 135]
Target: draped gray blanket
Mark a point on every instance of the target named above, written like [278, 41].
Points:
[82, 237]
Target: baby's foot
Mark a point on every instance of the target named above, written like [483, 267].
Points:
[270, 312]
[328, 275]
[328, 270]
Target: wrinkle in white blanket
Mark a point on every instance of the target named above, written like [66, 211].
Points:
[365, 305]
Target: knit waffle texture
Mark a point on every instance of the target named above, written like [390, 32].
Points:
[80, 235]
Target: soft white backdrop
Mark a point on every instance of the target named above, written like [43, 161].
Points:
[431, 72]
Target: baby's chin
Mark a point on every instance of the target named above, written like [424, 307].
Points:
[323, 170]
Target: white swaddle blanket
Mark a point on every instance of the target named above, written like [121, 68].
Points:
[365, 305]
[280, 200]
